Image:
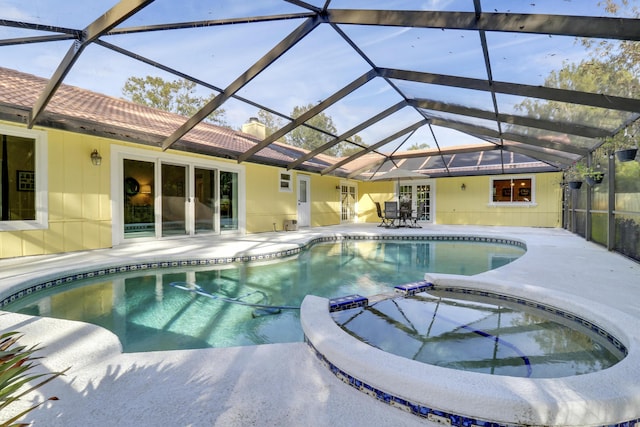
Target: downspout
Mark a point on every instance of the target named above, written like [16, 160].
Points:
[5, 180]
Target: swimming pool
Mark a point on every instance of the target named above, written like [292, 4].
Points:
[147, 313]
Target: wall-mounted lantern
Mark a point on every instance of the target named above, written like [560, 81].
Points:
[96, 158]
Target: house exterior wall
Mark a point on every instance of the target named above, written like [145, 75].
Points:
[79, 210]
[371, 192]
[267, 206]
[80, 217]
[325, 200]
[473, 205]
[79, 198]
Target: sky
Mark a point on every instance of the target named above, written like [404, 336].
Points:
[312, 70]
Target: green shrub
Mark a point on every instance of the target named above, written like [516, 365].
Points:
[16, 362]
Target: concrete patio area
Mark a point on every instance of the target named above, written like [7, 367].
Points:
[267, 385]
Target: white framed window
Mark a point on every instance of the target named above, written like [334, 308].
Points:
[285, 182]
[23, 179]
[512, 191]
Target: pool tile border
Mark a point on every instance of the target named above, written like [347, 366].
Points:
[420, 410]
[53, 281]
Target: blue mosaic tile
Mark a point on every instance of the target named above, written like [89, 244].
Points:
[414, 287]
[432, 414]
[347, 302]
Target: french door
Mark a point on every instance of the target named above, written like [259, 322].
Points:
[348, 198]
[420, 195]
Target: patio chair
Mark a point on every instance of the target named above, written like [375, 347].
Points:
[417, 216]
[391, 213]
[384, 222]
[405, 213]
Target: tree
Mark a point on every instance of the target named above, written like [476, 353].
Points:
[308, 138]
[416, 146]
[625, 54]
[592, 75]
[347, 149]
[177, 96]
[613, 68]
[271, 122]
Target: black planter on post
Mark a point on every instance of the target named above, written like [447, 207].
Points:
[575, 185]
[594, 179]
[626, 155]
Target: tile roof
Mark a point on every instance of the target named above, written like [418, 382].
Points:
[126, 119]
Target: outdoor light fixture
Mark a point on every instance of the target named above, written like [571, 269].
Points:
[96, 158]
[463, 187]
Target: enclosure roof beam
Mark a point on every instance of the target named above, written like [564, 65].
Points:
[562, 25]
[445, 150]
[375, 146]
[360, 81]
[561, 127]
[548, 93]
[386, 113]
[542, 155]
[209, 23]
[269, 58]
[118, 13]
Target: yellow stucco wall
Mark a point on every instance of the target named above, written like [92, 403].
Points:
[371, 192]
[472, 206]
[325, 200]
[267, 205]
[79, 205]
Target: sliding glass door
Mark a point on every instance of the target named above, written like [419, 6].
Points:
[205, 200]
[174, 200]
[228, 201]
[138, 199]
[169, 199]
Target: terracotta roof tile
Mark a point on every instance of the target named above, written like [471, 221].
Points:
[22, 90]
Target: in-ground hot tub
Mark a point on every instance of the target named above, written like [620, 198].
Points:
[455, 397]
[480, 331]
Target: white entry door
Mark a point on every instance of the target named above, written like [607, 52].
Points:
[304, 201]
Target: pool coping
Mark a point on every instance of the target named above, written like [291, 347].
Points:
[284, 396]
[602, 398]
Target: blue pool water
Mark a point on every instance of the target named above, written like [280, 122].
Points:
[148, 312]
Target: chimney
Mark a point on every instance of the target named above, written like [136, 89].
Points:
[255, 128]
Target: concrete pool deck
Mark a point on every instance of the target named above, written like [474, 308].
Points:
[268, 385]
